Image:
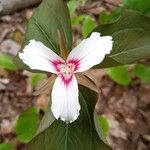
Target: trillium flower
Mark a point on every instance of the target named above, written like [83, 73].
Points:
[68, 72]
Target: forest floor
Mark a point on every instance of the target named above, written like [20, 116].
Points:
[127, 108]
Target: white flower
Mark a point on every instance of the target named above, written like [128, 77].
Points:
[90, 52]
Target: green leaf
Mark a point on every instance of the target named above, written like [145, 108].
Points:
[119, 74]
[35, 78]
[142, 72]
[48, 18]
[6, 146]
[103, 123]
[131, 36]
[108, 17]
[88, 25]
[102, 127]
[6, 62]
[80, 134]
[136, 20]
[72, 5]
[76, 20]
[140, 5]
[27, 124]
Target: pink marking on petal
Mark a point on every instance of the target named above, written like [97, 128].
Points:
[65, 80]
[75, 62]
[56, 64]
[65, 69]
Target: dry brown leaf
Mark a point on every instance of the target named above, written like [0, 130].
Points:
[86, 82]
[10, 47]
[112, 4]
[43, 101]
[45, 86]
[92, 76]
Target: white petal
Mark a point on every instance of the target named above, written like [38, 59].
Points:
[37, 56]
[65, 100]
[91, 51]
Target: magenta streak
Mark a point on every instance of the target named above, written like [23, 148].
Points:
[56, 64]
[75, 62]
[66, 81]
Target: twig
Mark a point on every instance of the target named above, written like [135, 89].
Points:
[9, 6]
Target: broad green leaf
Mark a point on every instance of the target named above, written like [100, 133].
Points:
[49, 17]
[119, 74]
[6, 146]
[131, 36]
[27, 124]
[136, 20]
[140, 5]
[6, 62]
[80, 134]
[35, 78]
[142, 72]
[88, 25]
[108, 17]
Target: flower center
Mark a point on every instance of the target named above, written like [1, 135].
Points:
[67, 69]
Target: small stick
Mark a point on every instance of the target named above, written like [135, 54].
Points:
[9, 6]
[62, 45]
